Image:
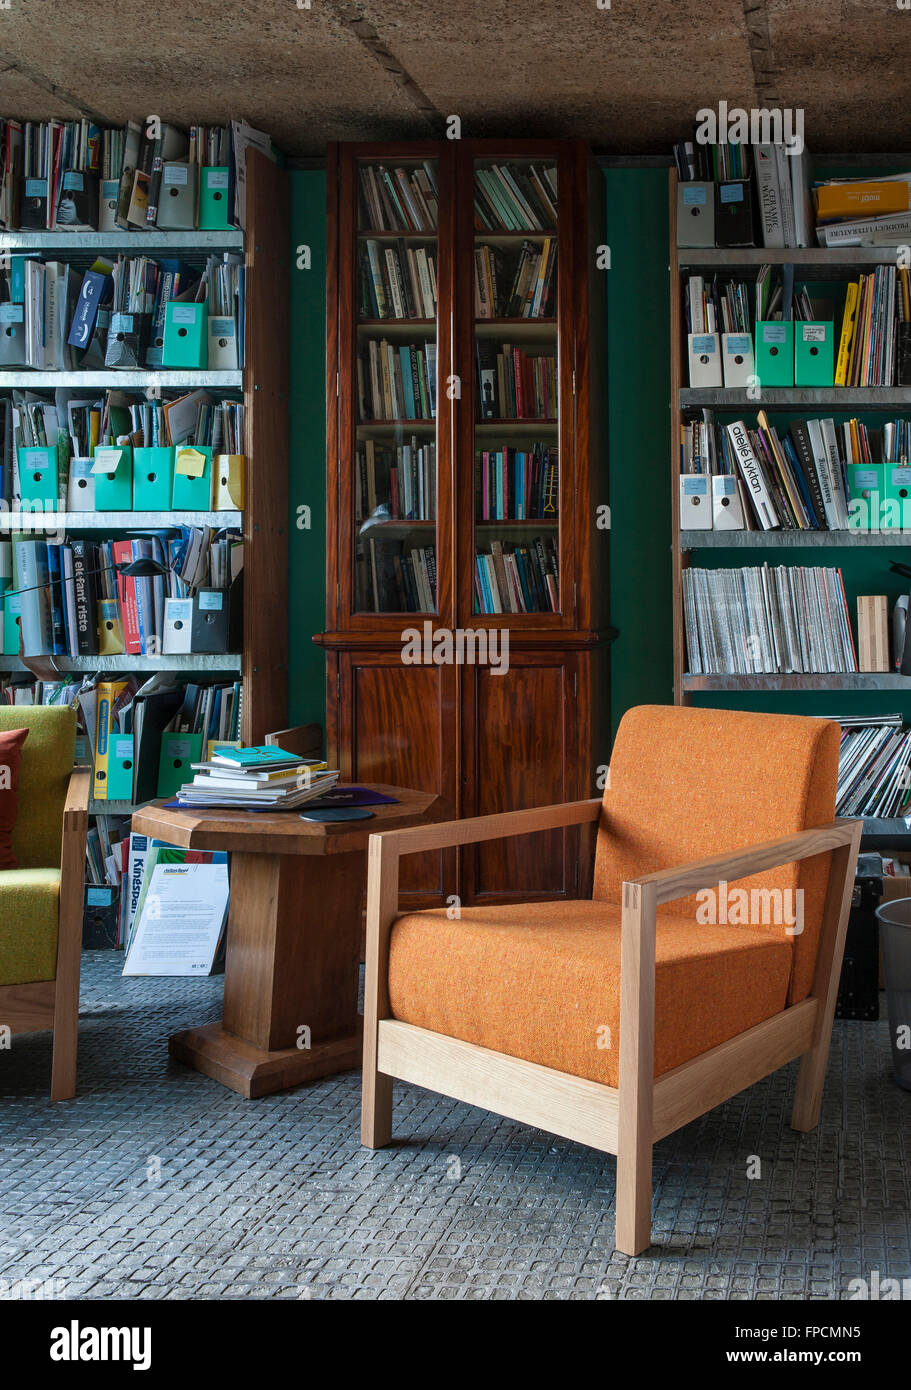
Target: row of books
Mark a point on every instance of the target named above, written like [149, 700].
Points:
[517, 484]
[514, 384]
[122, 314]
[106, 843]
[78, 176]
[744, 192]
[517, 578]
[875, 327]
[71, 598]
[873, 765]
[142, 736]
[399, 199]
[397, 382]
[397, 282]
[510, 286]
[763, 620]
[394, 577]
[805, 478]
[396, 482]
[514, 197]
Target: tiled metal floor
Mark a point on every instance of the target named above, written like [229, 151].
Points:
[158, 1183]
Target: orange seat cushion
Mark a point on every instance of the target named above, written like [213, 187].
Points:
[541, 981]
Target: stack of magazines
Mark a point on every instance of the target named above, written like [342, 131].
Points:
[874, 767]
[265, 777]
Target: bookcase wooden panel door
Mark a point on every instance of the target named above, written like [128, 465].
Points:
[394, 723]
[510, 763]
[474, 514]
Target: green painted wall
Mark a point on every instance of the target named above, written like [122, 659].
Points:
[307, 463]
[638, 386]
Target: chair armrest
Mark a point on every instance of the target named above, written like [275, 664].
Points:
[444, 835]
[666, 885]
[76, 806]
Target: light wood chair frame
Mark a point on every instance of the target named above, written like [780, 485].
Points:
[55, 1003]
[625, 1120]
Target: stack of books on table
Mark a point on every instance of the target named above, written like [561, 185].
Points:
[263, 777]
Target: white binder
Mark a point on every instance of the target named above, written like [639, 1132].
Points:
[737, 356]
[80, 488]
[695, 214]
[178, 626]
[177, 198]
[727, 513]
[222, 344]
[108, 192]
[695, 502]
[705, 359]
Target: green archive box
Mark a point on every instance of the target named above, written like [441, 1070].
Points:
[775, 353]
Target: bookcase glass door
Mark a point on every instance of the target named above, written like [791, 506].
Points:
[516, 511]
[395, 469]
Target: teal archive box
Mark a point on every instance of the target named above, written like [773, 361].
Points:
[186, 342]
[866, 483]
[214, 203]
[38, 476]
[113, 474]
[814, 354]
[775, 353]
[120, 768]
[153, 479]
[12, 611]
[178, 751]
[895, 512]
[192, 490]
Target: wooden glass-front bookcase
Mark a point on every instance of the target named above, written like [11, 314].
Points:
[465, 473]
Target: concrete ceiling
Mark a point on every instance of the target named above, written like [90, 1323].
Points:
[629, 79]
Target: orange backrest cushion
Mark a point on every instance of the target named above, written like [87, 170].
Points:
[688, 783]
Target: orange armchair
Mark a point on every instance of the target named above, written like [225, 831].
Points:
[615, 1020]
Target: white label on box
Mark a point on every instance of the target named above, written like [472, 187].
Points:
[814, 332]
[183, 313]
[218, 178]
[211, 600]
[175, 173]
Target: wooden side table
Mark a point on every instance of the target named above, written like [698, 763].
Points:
[294, 939]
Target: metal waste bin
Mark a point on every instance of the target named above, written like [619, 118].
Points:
[895, 923]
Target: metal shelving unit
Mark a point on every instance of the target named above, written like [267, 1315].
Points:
[138, 242]
[115, 521]
[25, 379]
[122, 661]
[819, 680]
[795, 397]
[790, 540]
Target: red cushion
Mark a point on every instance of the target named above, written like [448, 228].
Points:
[11, 743]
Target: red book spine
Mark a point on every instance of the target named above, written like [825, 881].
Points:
[126, 592]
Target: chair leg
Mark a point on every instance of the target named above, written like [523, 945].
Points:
[634, 1199]
[376, 1109]
[66, 1039]
[812, 1075]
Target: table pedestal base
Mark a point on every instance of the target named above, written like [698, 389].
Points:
[252, 1071]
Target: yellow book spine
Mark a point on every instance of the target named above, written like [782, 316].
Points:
[104, 725]
[847, 328]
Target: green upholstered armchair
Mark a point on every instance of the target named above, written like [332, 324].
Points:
[41, 900]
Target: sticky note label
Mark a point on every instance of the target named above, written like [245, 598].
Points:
[73, 181]
[107, 460]
[774, 333]
[732, 192]
[900, 477]
[863, 477]
[12, 313]
[694, 197]
[210, 599]
[814, 332]
[36, 188]
[98, 897]
[696, 486]
[121, 323]
[217, 178]
[175, 174]
[703, 343]
[221, 328]
[190, 463]
[737, 343]
[123, 750]
[724, 485]
[184, 313]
